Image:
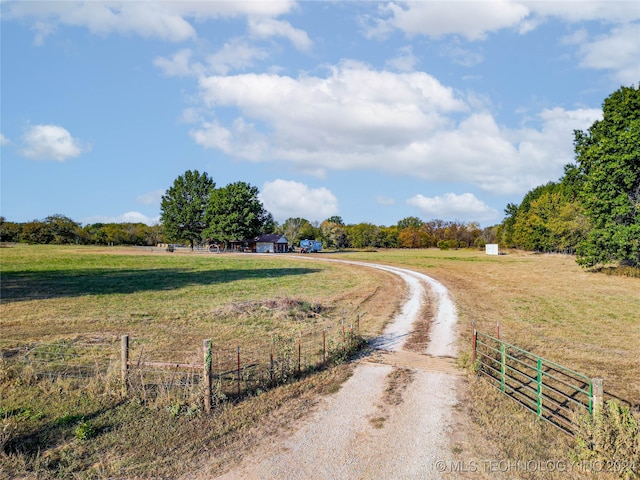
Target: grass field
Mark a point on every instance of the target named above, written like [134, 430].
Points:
[545, 303]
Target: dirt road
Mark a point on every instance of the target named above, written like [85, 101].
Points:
[390, 420]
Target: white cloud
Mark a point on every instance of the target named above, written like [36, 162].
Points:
[436, 19]
[618, 51]
[157, 19]
[405, 61]
[151, 198]
[269, 27]
[382, 200]
[288, 199]
[128, 217]
[179, 65]
[475, 20]
[236, 54]
[450, 206]
[4, 140]
[50, 142]
[403, 123]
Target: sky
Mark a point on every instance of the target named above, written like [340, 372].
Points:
[372, 111]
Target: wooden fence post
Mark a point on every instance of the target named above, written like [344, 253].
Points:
[124, 364]
[206, 347]
[238, 370]
[324, 345]
[271, 369]
[598, 394]
[299, 353]
[475, 344]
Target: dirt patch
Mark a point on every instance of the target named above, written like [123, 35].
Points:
[419, 338]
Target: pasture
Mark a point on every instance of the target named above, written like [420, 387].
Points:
[170, 302]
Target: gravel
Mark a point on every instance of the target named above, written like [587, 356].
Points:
[355, 433]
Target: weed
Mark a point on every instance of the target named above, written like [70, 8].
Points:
[85, 431]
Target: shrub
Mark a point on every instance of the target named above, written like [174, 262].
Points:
[612, 437]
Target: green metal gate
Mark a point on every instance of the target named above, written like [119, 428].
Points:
[551, 391]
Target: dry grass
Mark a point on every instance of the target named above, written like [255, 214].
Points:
[589, 322]
[546, 304]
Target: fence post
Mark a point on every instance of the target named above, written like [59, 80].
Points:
[124, 364]
[498, 330]
[324, 345]
[299, 352]
[503, 365]
[597, 395]
[539, 389]
[474, 344]
[208, 355]
[271, 372]
[238, 370]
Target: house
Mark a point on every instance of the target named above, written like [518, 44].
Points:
[271, 243]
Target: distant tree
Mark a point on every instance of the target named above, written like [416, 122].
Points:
[333, 234]
[362, 235]
[36, 231]
[412, 237]
[406, 222]
[388, 237]
[183, 206]
[9, 231]
[607, 169]
[63, 230]
[291, 228]
[337, 219]
[235, 212]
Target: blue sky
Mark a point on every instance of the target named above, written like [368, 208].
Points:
[374, 111]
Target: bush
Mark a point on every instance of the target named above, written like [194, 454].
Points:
[611, 437]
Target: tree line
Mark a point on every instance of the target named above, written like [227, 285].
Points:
[61, 230]
[594, 209]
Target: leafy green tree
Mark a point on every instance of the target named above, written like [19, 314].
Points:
[36, 231]
[388, 237]
[63, 229]
[183, 207]
[362, 235]
[407, 222]
[333, 233]
[608, 170]
[9, 231]
[235, 212]
[291, 229]
[337, 219]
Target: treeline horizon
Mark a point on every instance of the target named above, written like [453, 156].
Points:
[410, 232]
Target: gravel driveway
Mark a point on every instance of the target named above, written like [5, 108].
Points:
[359, 432]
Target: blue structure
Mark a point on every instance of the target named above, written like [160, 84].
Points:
[309, 246]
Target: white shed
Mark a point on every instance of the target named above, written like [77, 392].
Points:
[272, 243]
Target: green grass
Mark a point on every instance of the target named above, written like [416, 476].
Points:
[587, 321]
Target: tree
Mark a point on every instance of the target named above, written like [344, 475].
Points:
[183, 206]
[333, 233]
[63, 229]
[9, 231]
[291, 228]
[608, 171]
[235, 212]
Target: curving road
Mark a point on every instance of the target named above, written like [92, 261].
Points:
[359, 432]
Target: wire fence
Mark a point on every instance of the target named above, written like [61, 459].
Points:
[207, 374]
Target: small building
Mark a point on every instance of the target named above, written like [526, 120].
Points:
[491, 249]
[271, 243]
